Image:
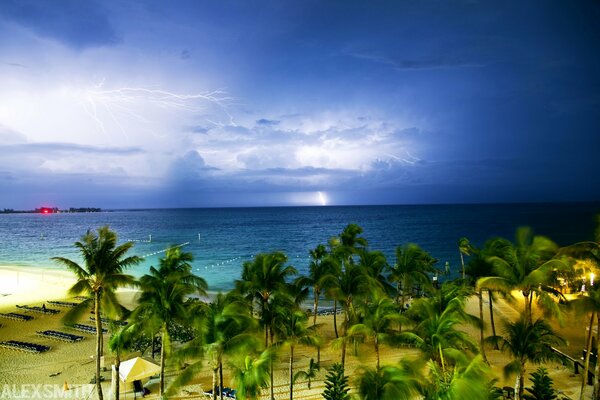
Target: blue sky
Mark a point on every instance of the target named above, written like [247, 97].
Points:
[228, 103]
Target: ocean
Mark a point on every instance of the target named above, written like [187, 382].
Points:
[222, 239]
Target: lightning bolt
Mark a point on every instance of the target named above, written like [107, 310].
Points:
[123, 101]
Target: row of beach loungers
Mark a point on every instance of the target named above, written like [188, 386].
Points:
[65, 337]
[24, 346]
[86, 328]
[41, 310]
[16, 316]
[62, 303]
[107, 321]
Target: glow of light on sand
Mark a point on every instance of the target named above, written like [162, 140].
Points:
[322, 198]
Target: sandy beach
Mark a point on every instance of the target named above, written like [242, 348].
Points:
[74, 362]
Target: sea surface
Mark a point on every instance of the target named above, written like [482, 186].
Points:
[222, 239]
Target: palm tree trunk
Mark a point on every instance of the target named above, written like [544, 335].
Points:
[291, 372]
[162, 360]
[98, 343]
[586, 366]
[377, 350]
[596, 393]
[335, 318]
[271, 367]
[221, 379]
[481, 343]
[496, 347]
[214, 385]
[315, 312]
[521, 378]
[462, 262]
[117, 383]
[316, 306]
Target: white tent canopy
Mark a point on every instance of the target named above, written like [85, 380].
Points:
[136, 369]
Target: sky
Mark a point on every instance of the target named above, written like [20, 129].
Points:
[145, 104]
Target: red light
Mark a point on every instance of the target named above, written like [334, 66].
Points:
[46, 211]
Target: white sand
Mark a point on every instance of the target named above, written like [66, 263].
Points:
[26, 285]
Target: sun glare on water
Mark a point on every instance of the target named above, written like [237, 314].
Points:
[322, 198]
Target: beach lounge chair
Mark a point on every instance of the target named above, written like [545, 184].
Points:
[16, 317]
[62, 336]
[24, 346]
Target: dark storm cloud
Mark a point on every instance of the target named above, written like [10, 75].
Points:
[270, 122]
[79, 24]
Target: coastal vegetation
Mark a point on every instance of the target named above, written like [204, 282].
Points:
[272, 311]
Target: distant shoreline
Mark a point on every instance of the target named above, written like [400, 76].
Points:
[51, 210]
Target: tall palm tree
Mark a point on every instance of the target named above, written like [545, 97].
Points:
[261, 279]
[352, 282]
[224, 326]
[120, 340]
[376, 267]
[292, 328]
[251, 375]
[436, 332]
[528, 341]
[163, 298]
[333, 266]
[585, 304]
[102, 273]
[464, 249]
[317, 270]
[412, 266]
[527, 266]
[377, 320]
[479, 266]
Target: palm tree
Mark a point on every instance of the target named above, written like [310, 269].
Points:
[163, 298]
[251, 375]
[390, 382]
[412, 266]
[330, 281]
[224, 326]
[310, 373]
[376, 267]
[478, 267]
[101, 274]
[526, 266]
[528, 341]
[261, 279]
[120, 340]
[291, 327]
[589, 303]
[350, 284]
[468, 379]
[377, 320]
[464, 249]
[317, 270]
[436, 332]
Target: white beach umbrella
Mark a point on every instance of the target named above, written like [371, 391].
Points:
[136, 369]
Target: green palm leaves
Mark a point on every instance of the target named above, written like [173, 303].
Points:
[528, 341]
[526, 266]
[102, 273]
[163, 299]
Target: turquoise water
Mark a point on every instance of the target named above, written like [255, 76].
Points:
[222, 239]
